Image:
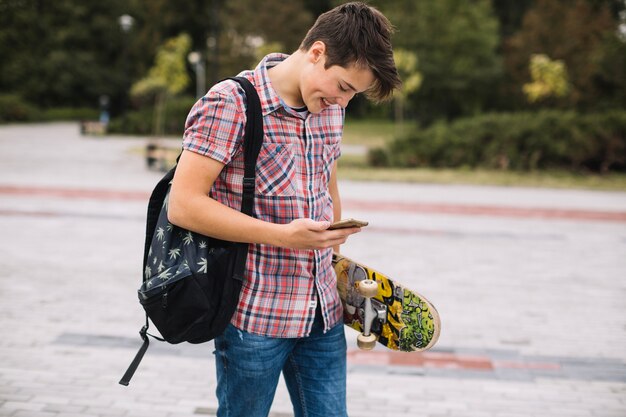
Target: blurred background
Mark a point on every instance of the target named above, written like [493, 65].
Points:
[504, 87]
[523, 93]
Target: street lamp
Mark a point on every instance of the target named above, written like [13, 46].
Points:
[195, 59]
[126, 23]
[621, 23]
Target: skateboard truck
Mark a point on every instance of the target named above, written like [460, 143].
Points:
[383, 311]
[368, 288]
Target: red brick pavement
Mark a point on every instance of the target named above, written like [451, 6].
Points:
[411, 207]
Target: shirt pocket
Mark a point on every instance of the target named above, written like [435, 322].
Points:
[276, 172]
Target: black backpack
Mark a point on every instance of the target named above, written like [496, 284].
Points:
[192, 282]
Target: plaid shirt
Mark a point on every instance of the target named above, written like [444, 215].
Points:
[282, 286]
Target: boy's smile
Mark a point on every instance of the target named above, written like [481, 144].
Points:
[322, 87]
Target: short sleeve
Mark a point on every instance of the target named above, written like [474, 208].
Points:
[215, 125]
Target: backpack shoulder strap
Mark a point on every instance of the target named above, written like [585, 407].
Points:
[253, 140]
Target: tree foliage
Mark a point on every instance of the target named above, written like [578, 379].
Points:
[245, 26]
[166, 78]
[577, 34]
[510, 15]
[70, 52]
[456, 42]
[549, 79]
[473, 55]
[168, 75]
[406, 63]
[60, 52]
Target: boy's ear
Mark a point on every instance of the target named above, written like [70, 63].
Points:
[316, 51]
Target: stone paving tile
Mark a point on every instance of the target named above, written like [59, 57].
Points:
[71, 268]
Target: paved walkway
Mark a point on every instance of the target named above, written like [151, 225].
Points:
[530, 284]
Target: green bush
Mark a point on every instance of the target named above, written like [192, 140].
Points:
[140, 122]
[515, 141]
[13, 108]
[70, 113]
[137, 122]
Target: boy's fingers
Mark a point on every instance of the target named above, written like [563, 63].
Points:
[323, 225]
[315, 226]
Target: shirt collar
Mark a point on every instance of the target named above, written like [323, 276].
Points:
[270, 101]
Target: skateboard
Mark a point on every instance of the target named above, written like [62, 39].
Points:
[383, 310]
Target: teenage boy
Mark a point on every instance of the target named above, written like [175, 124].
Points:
[289, 317]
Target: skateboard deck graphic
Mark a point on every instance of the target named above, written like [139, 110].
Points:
[404, 320]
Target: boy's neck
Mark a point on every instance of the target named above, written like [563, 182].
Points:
[285, 78]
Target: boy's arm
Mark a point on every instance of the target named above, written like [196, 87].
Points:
[333, 189]
[190, 207]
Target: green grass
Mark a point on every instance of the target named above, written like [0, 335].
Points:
[374, 133]
[369, 133]
[551, 179]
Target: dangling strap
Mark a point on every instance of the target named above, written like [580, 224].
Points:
[253, 139]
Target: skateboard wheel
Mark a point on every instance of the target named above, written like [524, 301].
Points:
[368, 288]
[366, 342]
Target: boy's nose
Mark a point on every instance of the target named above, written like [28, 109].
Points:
[344, 99]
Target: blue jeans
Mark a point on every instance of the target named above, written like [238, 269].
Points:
[314, 368]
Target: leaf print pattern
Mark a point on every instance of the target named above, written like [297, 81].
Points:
[165, 275]
[174, 253]
[203, 265]
[173, 250]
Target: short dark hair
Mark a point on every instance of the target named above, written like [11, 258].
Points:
[358, 34]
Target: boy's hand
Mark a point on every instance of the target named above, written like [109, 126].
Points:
[310, 234]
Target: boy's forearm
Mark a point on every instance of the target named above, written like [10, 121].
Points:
[333, 189]
[191, 208]
[336, 213]
[211, 218]
[206, 216]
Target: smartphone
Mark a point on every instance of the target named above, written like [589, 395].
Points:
[342, 224]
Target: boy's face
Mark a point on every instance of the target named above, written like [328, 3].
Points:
[322, 88]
